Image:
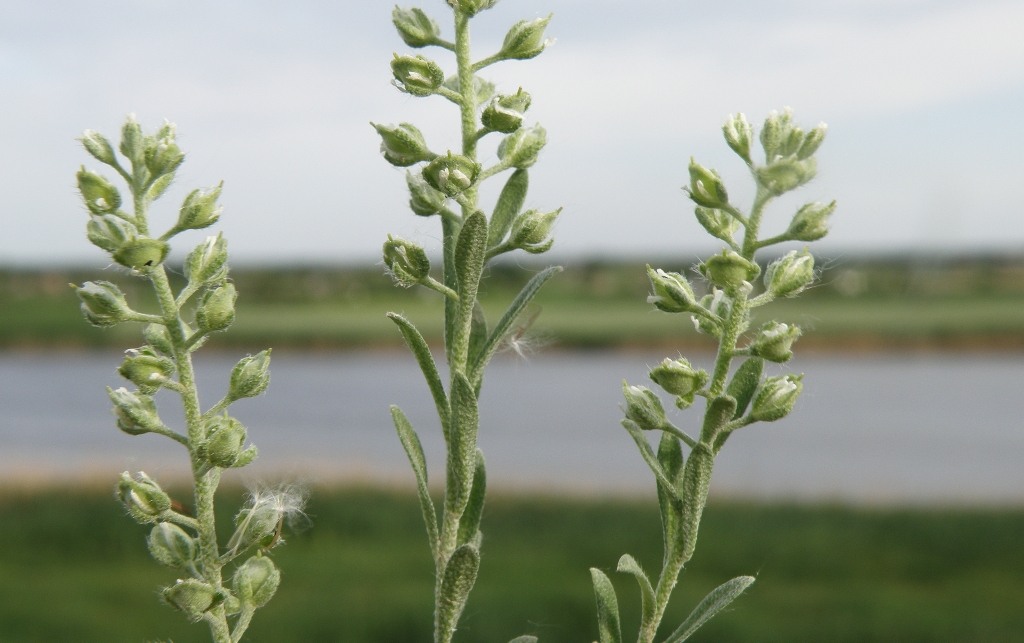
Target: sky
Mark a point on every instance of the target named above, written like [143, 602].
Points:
[924, 100]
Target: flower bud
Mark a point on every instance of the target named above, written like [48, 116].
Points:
[775, 398]
[216, 310]
[678, 378]
[142, 497]
[729, 270]
[222, 446]
[256, 581]
[162, 154]
[785, 174]
[402, 145]
[416, 75]
[423, 199]
[141, 253]
[525, 39]
[706, 187]
[146, 370]
[103, 303]
[99, 194]
[97, 145]
[415, 27]
[250, 377]
[193, 597]
[505, 112]
[530, 231]
[810, 222]
[109, 232]
[208, 261]
[158, 338]
[643, 407]
[774, 341]
[738, 134]
[672, 293]
[774, 132]
[199, 209]
[812, 141]
[452, 174]
[789, 274]
[406, 261]
[471, 7]
[520, 148]
[135, 412]
[171, 545]
[720, 306]
[132, 140]
[718, 223]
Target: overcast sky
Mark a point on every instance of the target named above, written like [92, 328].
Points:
[924, 100]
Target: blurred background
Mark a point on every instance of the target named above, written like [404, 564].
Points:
[890, 504]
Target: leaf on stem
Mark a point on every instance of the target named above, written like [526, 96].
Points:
[744, 383]
[469, 524]
[670, 455]
[648, 455]
[462, 460]
[456, 583]
[510, 203]
[628, 565]
[469, 256]
[425, 359]
[414, 449]
[696, 479]
[720, 410]
[608, 626]
[713, 603]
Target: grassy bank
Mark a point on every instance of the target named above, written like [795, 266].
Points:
[73, 568]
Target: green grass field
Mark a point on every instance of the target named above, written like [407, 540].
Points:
[73, 568]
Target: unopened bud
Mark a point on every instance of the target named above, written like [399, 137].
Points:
[135, 412]
[250, 377]
[142, 253]
[505, 113]
[170, 545]
[672, 293]
[100, 148]
[407, 262]
[208, 261]
[103, 303]
[738, 134]
[423, 199]
[162, 155]
[216, 309]
[729, 270]
[719, 305]
[146, 370]
[677, 377]
[775, 398]
[156, 335]
[788, 275]
[132, 140]
[774, 133]
[256, 580]
[452, 174]
[199, 209]
[810, 223]
[812, 141]
[774, 341]
[402, 145]
[99, 194]
[706, 187]
[193, 597]
[416, 75]
[142, 497]
[222, 446]
[785, 174]
[415, 27]
[643, 407]
[530, 231]
[520, 148]
[109, 232]
[525, 39]
[719, 223]
[471, 7]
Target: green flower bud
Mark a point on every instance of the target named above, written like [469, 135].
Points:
[256, 581]
[199, 209]
[530, 231]
[520, 148]
[672, 293]
[145, 369]
[162, 154]
[505, 112]
[416, 75]
[643, 407]
[158, 338]
[208, 261]
[718, 223]
[135, 412]
[103, 303]
[109, 232]
[142, 497]
[402, 145]
[216, 310]
[788, 275]
[250, 377]
[100, 148]
[677, 377]
[525, 39]
[729, 270]
[785, 174]
[471, 7]
[132, 140]
[193, 597]
[142, 253]
[222, 446]
[774, 341]
[415, 27]
[774, 133]
[812, 141]
[99, 194]
[719, 305]
[775, 397]
[406, 262]
[738, 134]
[423, 199]
[452, 174]
[170, 545]
[706, 187]
[811, 222]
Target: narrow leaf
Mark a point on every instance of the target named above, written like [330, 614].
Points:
[648, 455]
[526, 638]
[469, 256]
[414, 449]
[477, 332]
[608, 626]
[504, 325]
[469, 525]
[696, 480]
[462, 449]
[456, 583]
[425, 359]
[628, 565]
[510, 203]
[744, 383]
[720, 410]
[670, 456]
[713, 603]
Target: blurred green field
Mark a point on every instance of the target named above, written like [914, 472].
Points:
[73, 568]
